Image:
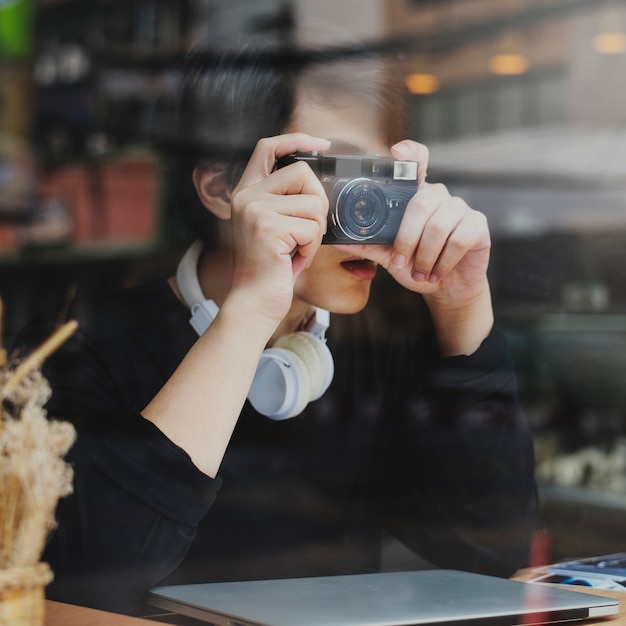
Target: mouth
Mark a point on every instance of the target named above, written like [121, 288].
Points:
[363, 269]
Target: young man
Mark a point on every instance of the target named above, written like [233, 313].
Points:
[421, 438]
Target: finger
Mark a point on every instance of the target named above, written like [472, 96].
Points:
[281, 219]
[267, 150]
[408, 150]
[252, 206]
[297, 178]
[470, 234]
[290, 182]
[304, 207]
[437, 232]
[418, 212]
[303, 237]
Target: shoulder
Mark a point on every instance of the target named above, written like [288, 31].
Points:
[131, 323]
[131, 314]
[126, 345]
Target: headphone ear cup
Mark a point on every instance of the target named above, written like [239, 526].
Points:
[316, 356]
[282, 384]
[296, 370]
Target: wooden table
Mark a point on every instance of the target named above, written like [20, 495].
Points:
[61, 614]
[614, 620]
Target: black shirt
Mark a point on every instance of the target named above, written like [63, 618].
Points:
[433, 450]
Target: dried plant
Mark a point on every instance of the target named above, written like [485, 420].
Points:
[33, 473]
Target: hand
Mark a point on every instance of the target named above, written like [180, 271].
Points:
[442, 246]
[278, 220]
[441, 251]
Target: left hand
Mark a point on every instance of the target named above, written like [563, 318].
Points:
[442, 252]
[442, 246]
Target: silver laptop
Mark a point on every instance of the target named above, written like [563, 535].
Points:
[385, 599]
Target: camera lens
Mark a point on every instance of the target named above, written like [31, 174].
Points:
[361, 209]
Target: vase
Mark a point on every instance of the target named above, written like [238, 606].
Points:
[22, 600]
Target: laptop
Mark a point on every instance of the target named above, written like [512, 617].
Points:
[381, 599]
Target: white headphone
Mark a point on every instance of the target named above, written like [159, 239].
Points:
[296, 370]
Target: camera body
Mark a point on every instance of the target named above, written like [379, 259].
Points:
[367, 194]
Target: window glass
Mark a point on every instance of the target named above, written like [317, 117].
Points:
[118, 149]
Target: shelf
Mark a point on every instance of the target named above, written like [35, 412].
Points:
[582, 522]
[583, 497]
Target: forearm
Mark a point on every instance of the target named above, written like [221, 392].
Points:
[461, 328]
[470, 441]
[199, 405]
[136, 504]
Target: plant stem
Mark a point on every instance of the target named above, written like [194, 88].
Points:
[35, 359]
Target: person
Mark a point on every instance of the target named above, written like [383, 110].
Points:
[177, 477]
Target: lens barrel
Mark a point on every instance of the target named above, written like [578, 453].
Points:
[361, 209]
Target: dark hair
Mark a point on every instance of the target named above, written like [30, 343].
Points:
[230, 98]
[225, 102]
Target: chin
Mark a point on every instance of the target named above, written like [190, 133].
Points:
[336, 291]
[347, 308]
[344, 303]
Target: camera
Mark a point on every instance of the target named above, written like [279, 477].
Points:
[367, 194]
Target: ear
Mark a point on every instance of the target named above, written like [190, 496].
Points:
[212, 188]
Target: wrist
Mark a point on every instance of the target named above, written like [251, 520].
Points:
[461, 327]
[240, 311]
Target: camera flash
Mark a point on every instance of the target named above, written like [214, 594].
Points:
[405, 170]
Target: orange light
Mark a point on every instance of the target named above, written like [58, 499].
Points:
[508, 64]
[609, 43]
[422, 84]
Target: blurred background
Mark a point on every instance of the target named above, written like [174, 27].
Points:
[522, 104]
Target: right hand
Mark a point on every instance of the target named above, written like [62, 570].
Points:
[278, 220]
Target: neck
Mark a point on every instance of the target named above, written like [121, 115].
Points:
[215, 270]
[297, 319]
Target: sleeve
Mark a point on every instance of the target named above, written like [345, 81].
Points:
[137, 498]
[458, 469]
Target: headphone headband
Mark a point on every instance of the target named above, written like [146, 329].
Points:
[187, 275]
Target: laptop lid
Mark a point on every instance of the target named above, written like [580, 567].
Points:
[382, 599]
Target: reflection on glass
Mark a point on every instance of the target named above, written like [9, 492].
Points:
[522, 107]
